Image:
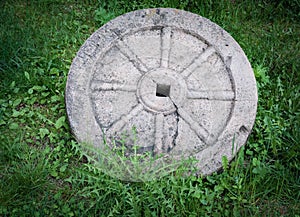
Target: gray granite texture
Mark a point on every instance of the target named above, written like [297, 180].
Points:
[167, 81]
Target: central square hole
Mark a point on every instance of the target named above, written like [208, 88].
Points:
[162, 90]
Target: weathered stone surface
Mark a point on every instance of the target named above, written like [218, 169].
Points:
[181, 81]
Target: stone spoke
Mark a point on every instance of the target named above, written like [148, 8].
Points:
[132, 57]
[106, 86]
[159, 124]
[220, 95]
[196, 62]
[119, 124]
[165, 46]
[200, 131]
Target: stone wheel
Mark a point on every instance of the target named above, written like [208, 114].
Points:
[165, 81]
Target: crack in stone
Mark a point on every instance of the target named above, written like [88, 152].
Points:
[177, 121]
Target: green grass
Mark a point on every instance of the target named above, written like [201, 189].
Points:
[42, 169]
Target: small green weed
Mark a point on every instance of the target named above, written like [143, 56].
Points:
[117, 160]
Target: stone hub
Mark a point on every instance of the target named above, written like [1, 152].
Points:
[179, 80]
[161, 91]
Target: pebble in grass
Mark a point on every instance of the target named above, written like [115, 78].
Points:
[161, 82]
